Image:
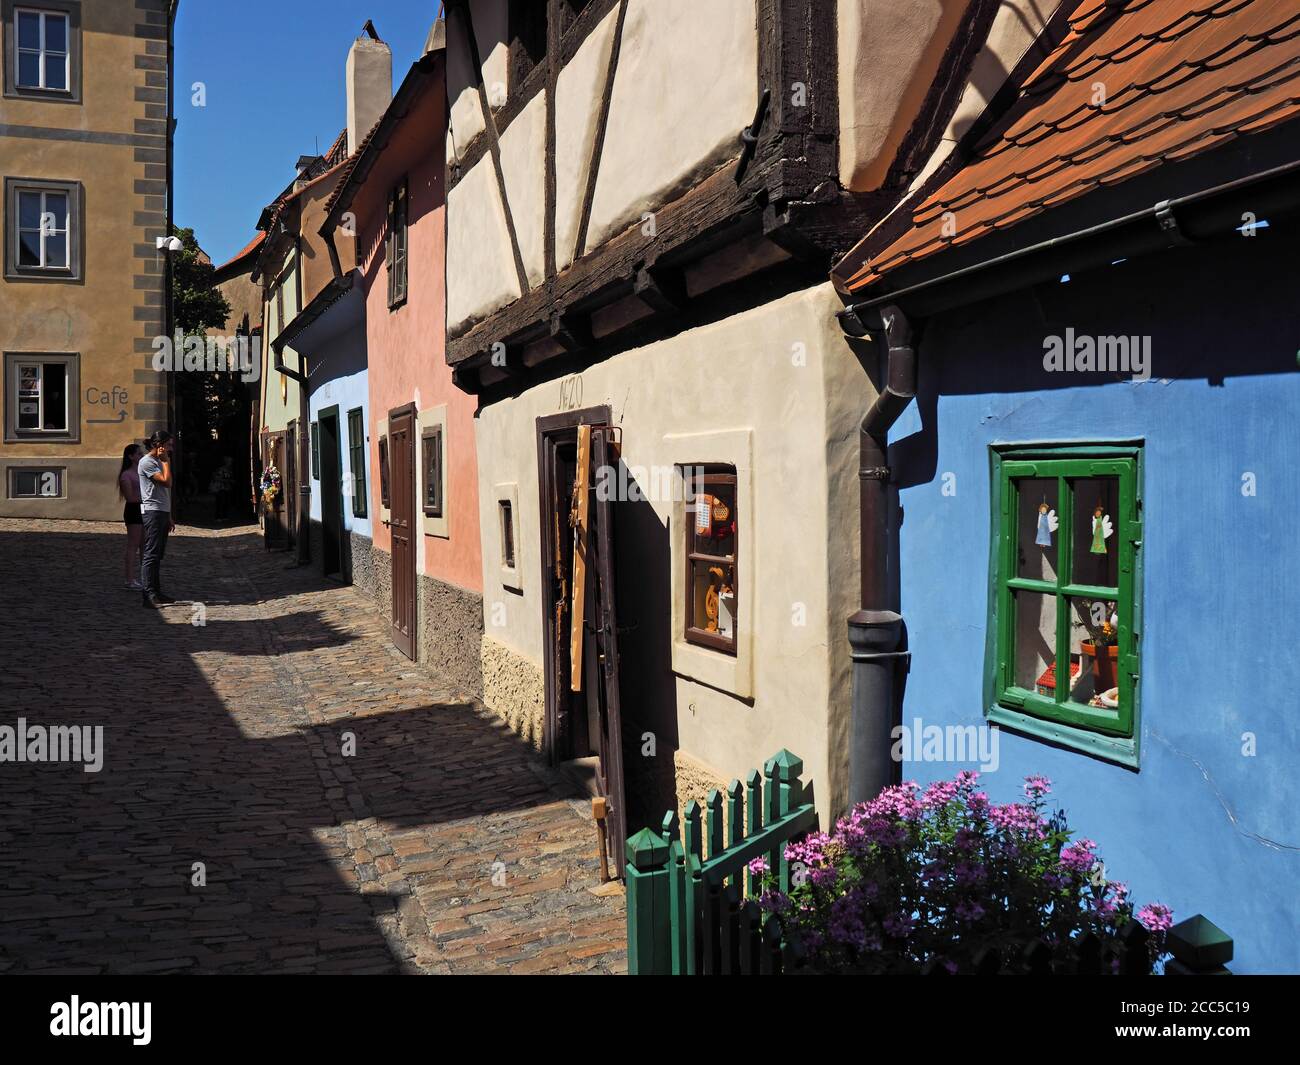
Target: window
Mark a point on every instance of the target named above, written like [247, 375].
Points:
[42, 49]
[432, 466]
[35, 483]
[41, 397]
[357, 460]
[712, 543]
[506, 513]
[383, 472]
[1065, 595]
[315, 451]
[395, 246]
[43, 229]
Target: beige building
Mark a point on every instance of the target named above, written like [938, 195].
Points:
[645, 199]
[85, 156]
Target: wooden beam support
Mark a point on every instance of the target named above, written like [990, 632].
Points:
[660, 288]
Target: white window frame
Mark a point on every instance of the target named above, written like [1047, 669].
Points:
[43, 14]
[14, 362]
[42, 230]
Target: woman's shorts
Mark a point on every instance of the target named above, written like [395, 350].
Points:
[131, 514]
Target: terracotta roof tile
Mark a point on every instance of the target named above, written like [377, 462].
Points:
[1131, 84]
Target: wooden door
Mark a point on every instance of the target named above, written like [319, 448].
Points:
[331, 492]
[401, 464]
[289, 482]
[602, 654]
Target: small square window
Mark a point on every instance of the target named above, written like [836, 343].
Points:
[712, 548]
[34, 483]
[432, 470]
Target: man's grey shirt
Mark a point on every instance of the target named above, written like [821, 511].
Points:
[153, 496]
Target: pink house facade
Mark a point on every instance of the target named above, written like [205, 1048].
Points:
[423, 563]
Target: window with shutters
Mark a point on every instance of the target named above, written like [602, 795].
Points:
[1066, 606]
[395, 245]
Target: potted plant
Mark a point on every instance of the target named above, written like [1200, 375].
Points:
[1102, 623]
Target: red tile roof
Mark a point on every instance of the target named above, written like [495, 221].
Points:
[247, 249]
[1133, 83]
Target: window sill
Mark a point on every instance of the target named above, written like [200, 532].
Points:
[1119, 750]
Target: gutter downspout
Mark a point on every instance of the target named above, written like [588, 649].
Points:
[877, 634]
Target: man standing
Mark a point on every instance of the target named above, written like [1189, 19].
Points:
[156, 509]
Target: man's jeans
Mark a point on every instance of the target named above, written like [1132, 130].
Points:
[157, 524]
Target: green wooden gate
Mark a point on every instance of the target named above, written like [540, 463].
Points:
[689, 914]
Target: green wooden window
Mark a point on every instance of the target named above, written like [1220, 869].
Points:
[357, 460]
[315, 451]
[1066, 596]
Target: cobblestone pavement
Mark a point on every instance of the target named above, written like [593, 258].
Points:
[442, 845]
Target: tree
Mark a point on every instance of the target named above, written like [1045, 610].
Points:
[197, 303]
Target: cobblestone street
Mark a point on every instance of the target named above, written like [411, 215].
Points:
[443, 845]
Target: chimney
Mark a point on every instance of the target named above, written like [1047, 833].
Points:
[369, 84]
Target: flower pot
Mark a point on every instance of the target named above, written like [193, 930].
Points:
[1103, 665]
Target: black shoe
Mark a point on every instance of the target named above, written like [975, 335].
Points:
[163, 600]
[150, 600]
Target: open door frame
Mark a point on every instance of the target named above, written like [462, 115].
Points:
[554, 432]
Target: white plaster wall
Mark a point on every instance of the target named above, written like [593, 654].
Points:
[462, 89]
[785, 373]
[889, 52]
[523, 162]
[578, 92]
[1015, 28]
[480, 263]
[687, 83]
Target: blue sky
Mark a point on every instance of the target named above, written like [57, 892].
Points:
[273, 71]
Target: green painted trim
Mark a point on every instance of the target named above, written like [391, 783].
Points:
[1114, 737]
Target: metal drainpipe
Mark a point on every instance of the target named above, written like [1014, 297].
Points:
[877, 635]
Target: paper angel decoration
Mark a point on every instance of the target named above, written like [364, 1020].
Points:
[1048, 523]
[1102, 530]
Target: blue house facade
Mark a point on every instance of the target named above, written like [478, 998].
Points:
[1201, 814]
[1086, 326]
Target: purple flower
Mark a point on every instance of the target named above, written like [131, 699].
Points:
[758, 866]
[1079, 857]
[1037, 786]
[898, 925]
[969, 911]
[1156, 917]
[939, 794]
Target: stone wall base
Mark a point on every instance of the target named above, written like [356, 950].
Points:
[514, 688]
[449, 619]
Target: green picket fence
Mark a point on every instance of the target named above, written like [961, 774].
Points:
[687, 913]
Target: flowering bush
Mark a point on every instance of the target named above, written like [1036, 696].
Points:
[913, 878]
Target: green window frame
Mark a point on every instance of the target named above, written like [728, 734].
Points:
[1070, 472]
[357, 460]
[315, 451]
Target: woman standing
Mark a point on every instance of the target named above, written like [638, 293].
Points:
[128, 487]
